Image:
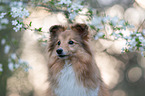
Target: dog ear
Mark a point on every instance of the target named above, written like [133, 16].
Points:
[82, 30]
[54, 30]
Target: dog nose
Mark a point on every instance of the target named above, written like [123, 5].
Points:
[59, 51]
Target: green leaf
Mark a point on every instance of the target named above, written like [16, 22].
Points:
[18, 21]
[45, 41]
[103, 36]
[92, 27]
[121, 34]
[137, 39]
[40, 29]
[139, 45]
[126, 50]
[98, 30]
[90, 12]
[118, 28]
[25, 28]
[111, 24]
[30, 23]
[40, 40]
[126, 23]
[79, 9]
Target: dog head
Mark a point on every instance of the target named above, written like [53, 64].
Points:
[67, 43]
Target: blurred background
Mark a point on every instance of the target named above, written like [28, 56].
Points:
[122, 72]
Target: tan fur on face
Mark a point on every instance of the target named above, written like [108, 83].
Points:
[79, 55]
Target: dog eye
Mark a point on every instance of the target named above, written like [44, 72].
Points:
[58, 43]
[70, 42]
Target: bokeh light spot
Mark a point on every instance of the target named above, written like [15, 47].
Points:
[134, 74]
[119, 93]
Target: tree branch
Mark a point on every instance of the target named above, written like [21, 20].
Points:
[140, 25]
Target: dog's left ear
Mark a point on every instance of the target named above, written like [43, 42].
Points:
[82, 30]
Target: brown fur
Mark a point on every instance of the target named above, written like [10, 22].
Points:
[80, 56]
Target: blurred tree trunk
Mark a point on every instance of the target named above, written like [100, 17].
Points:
[3, 80]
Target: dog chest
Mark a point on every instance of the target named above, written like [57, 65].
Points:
[68, 85]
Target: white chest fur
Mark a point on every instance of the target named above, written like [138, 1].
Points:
[68, 85]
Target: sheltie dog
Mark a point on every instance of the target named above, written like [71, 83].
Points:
[72, 68]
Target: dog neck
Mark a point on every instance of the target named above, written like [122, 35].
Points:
[69, 83]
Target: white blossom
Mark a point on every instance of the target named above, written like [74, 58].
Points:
[67, 2]
[121, 22]
[133, 42]
[14, 22]
[4, 21]
[1, 8]
[69, 10]
[14, 11]
[143, 32]
[25, 12]
[96, 37]
[138, 34]
[1, 68]
[18, 27]
[11, 66]
[23, 64]
[6, 49]
[76, 6]
[100, 34]
[106, 19]
[114, 20]
[130, 49]
[19, 12]
[132, 33]
[2, 15]
[99, 26]
[116, 35]
[143, 42]
[142, 49]
[3, 41]
[96, 20]
[130, 26]
[26, 69]
[72, 15]
[17, 65]
[123, 49]
[142, 53]
[141, 38]
[127, 37]
[44, 1]
[13, 56]
[20, 61]
[19, 3]
[16, 3]
[9, 60]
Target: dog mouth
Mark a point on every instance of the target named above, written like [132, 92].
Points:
[63, 56]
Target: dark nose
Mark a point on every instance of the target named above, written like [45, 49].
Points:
[59, 51]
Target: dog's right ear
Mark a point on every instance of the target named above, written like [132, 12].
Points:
[56, 29]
